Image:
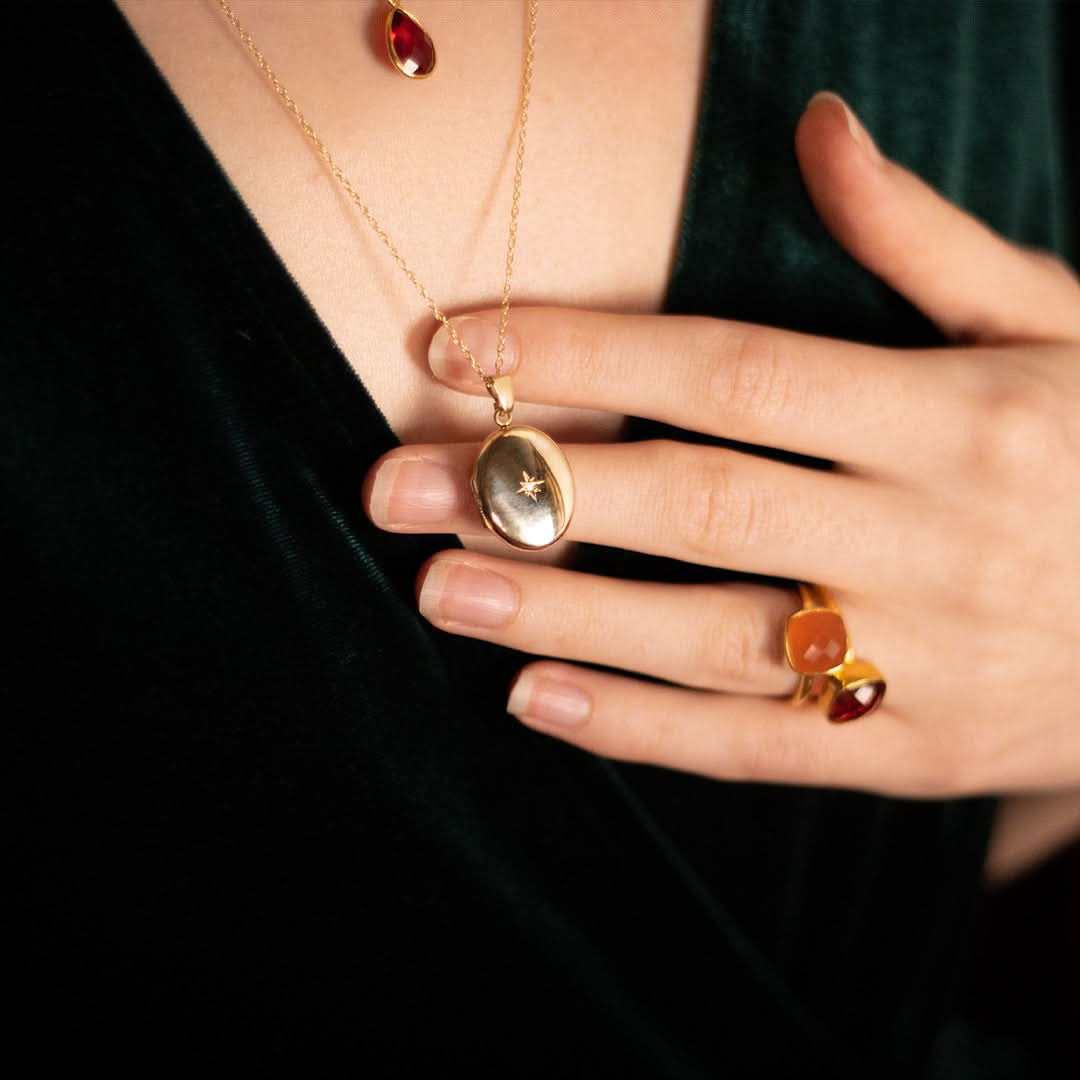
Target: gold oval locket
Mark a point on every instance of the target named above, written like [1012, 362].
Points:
[523, 486]
[521, 481]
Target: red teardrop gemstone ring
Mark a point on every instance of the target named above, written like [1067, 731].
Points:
[856, 702]
[409, 45]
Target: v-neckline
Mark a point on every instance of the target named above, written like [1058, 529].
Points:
[203, 182]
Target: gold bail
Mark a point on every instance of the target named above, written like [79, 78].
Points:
[501, 390]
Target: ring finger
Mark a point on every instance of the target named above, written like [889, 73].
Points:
[734, 642]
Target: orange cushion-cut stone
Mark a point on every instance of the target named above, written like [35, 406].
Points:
[816, 640]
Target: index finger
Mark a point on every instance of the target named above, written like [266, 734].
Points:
[823, 397]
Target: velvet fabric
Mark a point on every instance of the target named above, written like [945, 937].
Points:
[260, 803]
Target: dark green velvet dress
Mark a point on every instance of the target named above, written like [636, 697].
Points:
[260, 803]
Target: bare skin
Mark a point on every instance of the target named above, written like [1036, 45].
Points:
[434, 160]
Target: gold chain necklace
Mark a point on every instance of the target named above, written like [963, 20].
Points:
[535, 513]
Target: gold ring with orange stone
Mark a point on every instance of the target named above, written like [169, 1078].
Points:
[817, 647]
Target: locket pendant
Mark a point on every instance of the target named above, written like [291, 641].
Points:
[521, 481]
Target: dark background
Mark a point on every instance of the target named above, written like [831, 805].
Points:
[1026, 986]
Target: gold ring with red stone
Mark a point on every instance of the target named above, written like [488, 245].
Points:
[817, 647]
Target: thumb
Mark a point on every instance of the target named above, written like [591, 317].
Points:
[969, 280]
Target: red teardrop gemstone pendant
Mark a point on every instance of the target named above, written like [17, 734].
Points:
[409, 45]
[860, 700]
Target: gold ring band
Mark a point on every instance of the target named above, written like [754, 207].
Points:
[816, 645]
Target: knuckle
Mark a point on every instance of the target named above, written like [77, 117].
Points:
[580, 353]
[573, 353]
[767, 754]
[750, 372]
[1051, 263]
[574, 624]
[643, 735]
[712, 513]
[1018, 430]
[730, 651]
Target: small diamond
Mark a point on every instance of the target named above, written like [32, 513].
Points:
[530, 485]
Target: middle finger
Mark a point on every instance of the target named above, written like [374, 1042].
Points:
[706, 505]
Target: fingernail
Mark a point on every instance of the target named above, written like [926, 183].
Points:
[449, 363]
[456, 592]
[858, 132]
[550, 701]
[411, 491]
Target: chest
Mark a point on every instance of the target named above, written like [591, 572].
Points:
[612, 123]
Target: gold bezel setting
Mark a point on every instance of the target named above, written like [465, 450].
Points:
[847, 677]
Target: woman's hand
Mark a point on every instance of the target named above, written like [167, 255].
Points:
[949, 533]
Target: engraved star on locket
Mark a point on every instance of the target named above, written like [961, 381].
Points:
[530, 485]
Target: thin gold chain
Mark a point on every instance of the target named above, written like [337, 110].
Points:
[369, 217]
